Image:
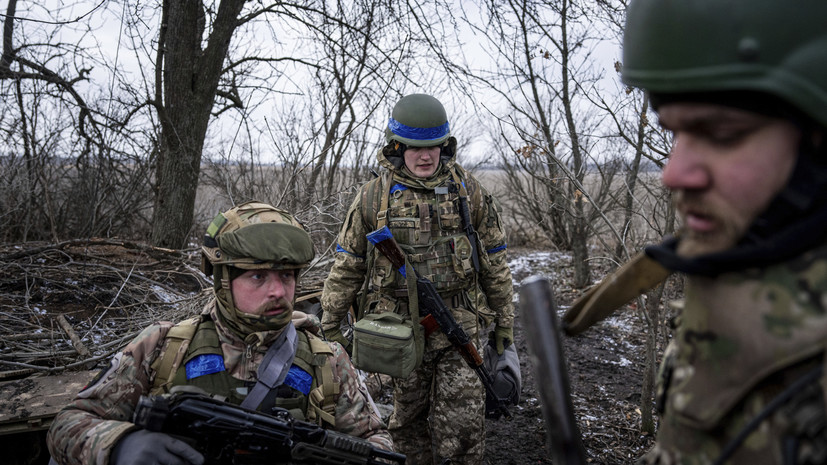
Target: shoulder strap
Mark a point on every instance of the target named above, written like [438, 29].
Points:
[322, 399]
[373, 197]
[174, 351]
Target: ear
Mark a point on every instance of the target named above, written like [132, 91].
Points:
[448, 149]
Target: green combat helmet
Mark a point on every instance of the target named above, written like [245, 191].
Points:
[252, 236]
[764, 56]
[255, 235]
[418, 120]
[701, 46]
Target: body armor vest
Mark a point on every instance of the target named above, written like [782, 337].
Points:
[427, 226]
[294, 394]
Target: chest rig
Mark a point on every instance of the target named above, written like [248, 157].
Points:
[308, 392]
[426, 223]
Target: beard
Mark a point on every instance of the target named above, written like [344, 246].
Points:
[260, 321]
[729, 225]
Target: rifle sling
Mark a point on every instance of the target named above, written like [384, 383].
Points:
[273, 368]
[635, 277]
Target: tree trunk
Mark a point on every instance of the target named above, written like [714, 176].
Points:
[189, 82]
[647, 388]
[580, 235]
[631, 181]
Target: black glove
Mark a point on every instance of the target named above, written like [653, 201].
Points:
[144, 447]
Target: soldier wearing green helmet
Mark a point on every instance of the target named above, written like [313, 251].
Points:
[248, 346]
[742, 85]
[439, 406]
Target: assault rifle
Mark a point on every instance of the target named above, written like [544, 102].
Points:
[539, 314]
[228, 434]
[439, 316]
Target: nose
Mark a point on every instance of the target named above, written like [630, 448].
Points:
[687, 167]
[276, 289]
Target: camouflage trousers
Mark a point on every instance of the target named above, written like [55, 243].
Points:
[439, 412]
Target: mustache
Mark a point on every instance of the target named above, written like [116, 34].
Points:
[689, 201]
[281, 302]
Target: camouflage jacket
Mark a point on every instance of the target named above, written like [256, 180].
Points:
[486, 298]
[744, 338]
[86, 430]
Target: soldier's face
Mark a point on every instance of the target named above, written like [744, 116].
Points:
[725, 167]
[422, 161]
[264, 292]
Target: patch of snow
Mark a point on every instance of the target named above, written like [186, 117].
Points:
[164, 295]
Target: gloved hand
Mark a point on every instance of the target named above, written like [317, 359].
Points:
[142, 447]
[502, 337]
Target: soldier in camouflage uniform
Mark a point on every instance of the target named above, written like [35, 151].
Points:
[438, 409]
[254, 253]
[742, 85]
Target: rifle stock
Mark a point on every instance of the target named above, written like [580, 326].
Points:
[437, 314]
[229, 434]
[539, 313]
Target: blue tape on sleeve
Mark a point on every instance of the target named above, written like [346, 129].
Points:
[497, 249]
[205, 364]
[299, 380]
[339, 248]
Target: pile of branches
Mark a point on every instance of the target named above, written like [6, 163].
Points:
[69, 305]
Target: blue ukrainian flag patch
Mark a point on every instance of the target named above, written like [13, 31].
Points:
[299, 380]
[205, 364]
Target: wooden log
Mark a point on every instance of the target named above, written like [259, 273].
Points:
[76, 342]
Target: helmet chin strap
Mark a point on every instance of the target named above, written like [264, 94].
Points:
[240, 323]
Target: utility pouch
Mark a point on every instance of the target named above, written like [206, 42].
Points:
[385, 343]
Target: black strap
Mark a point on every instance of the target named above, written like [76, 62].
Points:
[273, 368]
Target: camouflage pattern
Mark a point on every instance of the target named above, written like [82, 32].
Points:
[86, 430]
[743, 338]
[439, 411]
[491, 295]
[476, 299]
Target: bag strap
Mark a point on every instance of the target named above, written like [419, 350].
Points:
[167, 365]
[382, 213]
[322, 399]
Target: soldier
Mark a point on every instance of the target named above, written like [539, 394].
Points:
[439, 407]
[254, 253]
[742, 85]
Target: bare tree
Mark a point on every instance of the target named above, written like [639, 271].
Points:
[68, 162]
[545, 50]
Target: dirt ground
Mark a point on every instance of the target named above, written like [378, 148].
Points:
[605, 366]
[109, 290]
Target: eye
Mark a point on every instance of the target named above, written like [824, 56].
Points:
[729, 136]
